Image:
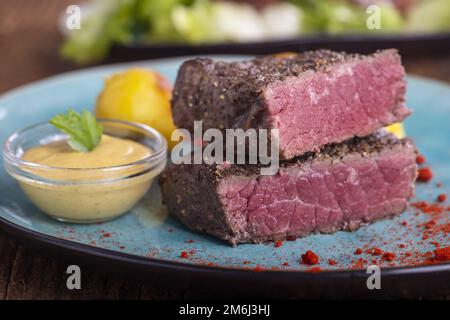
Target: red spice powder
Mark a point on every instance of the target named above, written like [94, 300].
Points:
[310, 258]
[388, 256]
[286, 264]
[358, 251]
[433, 229]
[274, 268]
[278, 243]
[442, 254]
[445, 227]
[426, 207]
[401, 245]
[359, 264]
[430, 224]
[441, 198]
[106, 235]
[425, 174]
[420, 159]
[314, 270]
[332, 262]
[436, 244]
[375, 251]
[184, 255]
[258, 269]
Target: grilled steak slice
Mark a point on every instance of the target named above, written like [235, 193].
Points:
[338, 188]
[313, 98]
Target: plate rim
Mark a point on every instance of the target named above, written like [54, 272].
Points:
[35, 237]
[41, 239]
[119, 65]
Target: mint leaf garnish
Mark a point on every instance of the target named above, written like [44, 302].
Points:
[83, 129]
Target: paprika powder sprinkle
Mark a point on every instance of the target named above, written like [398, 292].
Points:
[359, 264]
[425, 175]
[441, 198]
[427, 207]
[314, 270]
[332, 262]
[442, 254]
[184, 255]
[430, 224]
[258, 269]
[436, 244]
[445, 227]
[420, 159]
[310, 258]
[278, 243]
[375, 251]
[388, 256]
[358, 251]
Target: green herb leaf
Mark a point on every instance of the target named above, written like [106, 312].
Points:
[83, 129]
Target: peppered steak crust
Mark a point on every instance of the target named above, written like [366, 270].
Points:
[269, 92]
[233, 202]
[232, 89]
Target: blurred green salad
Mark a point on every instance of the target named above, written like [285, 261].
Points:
[109, 22]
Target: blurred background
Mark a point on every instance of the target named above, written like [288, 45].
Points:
[155, 28]
[39, 38]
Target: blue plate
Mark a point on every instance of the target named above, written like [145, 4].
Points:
[147, 237]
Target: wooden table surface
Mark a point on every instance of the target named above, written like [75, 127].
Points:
[29, 43]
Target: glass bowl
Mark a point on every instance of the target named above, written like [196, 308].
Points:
[82, 195]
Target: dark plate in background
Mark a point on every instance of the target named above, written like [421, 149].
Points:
[410, 45]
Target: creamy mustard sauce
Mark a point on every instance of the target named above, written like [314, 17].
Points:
[110, 152]
[94, 200]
